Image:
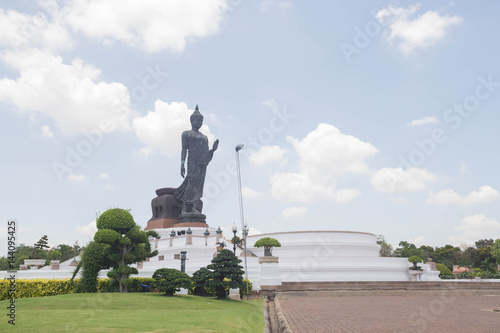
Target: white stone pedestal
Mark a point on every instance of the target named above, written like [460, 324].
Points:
[234, 294]
[269, 271]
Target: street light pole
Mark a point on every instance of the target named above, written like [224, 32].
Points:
[244, 226]
[235, 228]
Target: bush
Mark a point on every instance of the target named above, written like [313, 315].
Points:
[133, 284]
[199, 286]
[168, 280]
[443, 270]
[243, 288]
[37, 288]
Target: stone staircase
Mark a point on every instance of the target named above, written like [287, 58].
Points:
[387, 288]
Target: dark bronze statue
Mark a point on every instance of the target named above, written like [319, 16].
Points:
[195, 146]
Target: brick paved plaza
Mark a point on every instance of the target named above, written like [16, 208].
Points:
[383, 314]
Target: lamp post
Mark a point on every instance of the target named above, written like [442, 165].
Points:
[206, 233]
[244, 226]
[235, 228]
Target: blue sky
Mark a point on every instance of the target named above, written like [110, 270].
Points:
[373, 116]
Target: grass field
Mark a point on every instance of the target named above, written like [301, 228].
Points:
[134, 312]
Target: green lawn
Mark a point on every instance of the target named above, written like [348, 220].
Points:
[134, 312]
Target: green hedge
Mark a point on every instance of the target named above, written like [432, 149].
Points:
[111, 285]
[37, 288]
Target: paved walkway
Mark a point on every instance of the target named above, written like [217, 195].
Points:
[390, 314]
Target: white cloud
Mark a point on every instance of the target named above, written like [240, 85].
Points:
[89, 229]
[161, 129]
[415, 32]
[21, 31]
[327, 151]
[267, 154]
[325, 154]
[69, 93]
[294, 212]
[283, 5]
[150, 25]
[248, 193]
[475, 227]
[104, 175]
[418, 241]
[484, 194]
[463, 169]
[423, 121]
[78, 178]
[394, 180]
[46, 132]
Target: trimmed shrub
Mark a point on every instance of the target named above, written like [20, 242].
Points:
[133, 285]
[443, 270]
[168, 280]
[268, 243]
[226, 273]
[37, 288]
[199, 286]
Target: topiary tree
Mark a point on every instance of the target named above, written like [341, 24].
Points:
[128, 243]
[95, 256]
[168, 280]
[226, 273]
[268, 243]
[415, 260]
[200, 280]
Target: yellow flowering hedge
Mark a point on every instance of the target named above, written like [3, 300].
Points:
[37, 287]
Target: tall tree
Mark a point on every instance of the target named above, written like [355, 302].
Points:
[128, 243]
[386, 249]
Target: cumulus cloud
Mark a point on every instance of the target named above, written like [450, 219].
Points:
[21, 31]
[476, 227]
[294, 212]
[150, 25]
[71, 94]
[412, 32]
[394, 180]
[484, 194]
[104, 175]
[423, 121]
[78, 178]
[248, 193]
[46, 132]
[267, 154]
[88, 229]
[325, 154]
[161, 129]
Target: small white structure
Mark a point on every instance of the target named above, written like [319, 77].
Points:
[304, 256]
